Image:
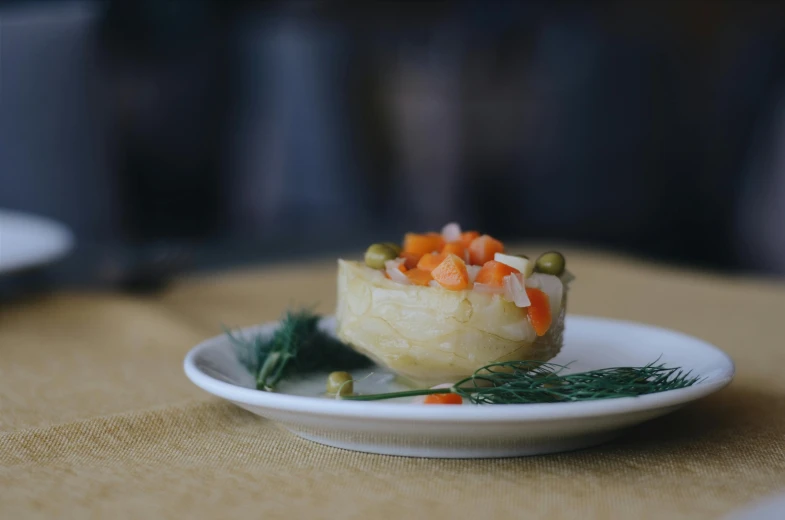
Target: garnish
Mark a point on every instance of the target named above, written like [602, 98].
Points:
[297, 346]
[340, 383]
[524, 382]
[443, 399]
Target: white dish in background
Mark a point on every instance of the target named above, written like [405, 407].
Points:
[770, 508]
[473, 431]
[30, 241]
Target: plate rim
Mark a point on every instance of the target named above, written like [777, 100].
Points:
[64, 241]
[444, 414]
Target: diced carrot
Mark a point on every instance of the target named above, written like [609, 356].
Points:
[456, 248]
[430, 261]
[539, 311]
[493, 273]
[410, 259]
[451, 273]
[443, 399]
[423, 244]
[483, 248]
[419, 276]
[467, 237]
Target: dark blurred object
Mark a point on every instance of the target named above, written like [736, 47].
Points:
[167, 69]
[246, 131]
[145, 269]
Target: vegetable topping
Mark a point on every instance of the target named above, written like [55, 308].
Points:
[452, 273]
[423, 244]
[443, 399]
[459, 260]
[482, 249]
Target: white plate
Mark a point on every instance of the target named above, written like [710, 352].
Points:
[473, 431]
[29, 241]
[770, 508]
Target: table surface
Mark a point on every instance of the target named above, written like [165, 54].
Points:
[98, 420]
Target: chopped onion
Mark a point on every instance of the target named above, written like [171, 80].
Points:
[394, 263]
[533, 282]
[515, 291]
[451, 232]
[434, 284]
[473, 270]
[392, 269]
[397, 276]
[518, 263]
[488, 289]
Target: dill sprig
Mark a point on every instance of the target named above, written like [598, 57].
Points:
[524, 382]
[297, 346]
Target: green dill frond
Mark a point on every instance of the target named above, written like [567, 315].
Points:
[525, 382]
[297, 346]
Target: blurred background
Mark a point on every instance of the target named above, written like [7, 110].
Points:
[172, 135]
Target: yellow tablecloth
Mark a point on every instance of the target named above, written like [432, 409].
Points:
[98, 421]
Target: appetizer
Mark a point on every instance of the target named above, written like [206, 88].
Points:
[439, 306]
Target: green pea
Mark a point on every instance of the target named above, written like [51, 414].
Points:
[340, 383]
[377, 254]
[395, 247]
[551, 262]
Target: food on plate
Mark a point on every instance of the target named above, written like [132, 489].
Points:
[551, 263]
[378, 254]
[340, 383]
[443, 399]
[448, 303]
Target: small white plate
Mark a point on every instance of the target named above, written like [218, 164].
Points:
[770, 508]
[29, 241]
[474, 431]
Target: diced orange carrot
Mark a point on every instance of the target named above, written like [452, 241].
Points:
[451, 273]
[456, 248]
[467, 237]
[410, 259]
[419, 276]
[539, 311]
[443, 399]
[483, 248]
[430, 261]
[493, 273]
[423, 244]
